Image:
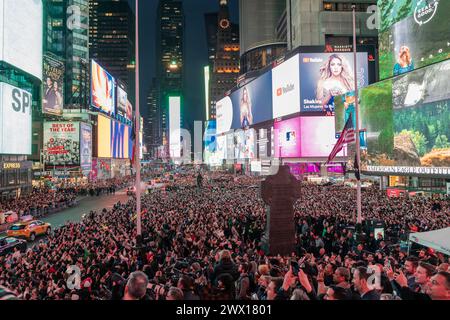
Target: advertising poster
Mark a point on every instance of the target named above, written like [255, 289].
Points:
[103, 137]
[250, 144]
[413, 34]
[15, 120]
[21, 36]
[129, 114]
[103, 89]
[252, 103]
[118, 148]
[85, 147]
[122, 102]
[209, 140]
[221, 147]
[323, 76]
[318, 136]
[375, 119]
[239, 144]
[53, 87]
[62, 143]
[224, 115]
[286, 88]
[287, 139]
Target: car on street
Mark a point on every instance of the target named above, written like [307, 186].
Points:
[29, 230]
[7, 245]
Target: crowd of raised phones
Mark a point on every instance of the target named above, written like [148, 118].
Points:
[206, 243]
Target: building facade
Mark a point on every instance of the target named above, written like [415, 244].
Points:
[224, 56]
[111, 40]
[318, 22]
[258, 21]
[169, 59]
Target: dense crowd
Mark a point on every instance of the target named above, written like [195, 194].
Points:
[206, 243]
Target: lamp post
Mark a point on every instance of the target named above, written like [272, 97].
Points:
[137, 128]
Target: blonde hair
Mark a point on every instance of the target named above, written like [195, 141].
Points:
[346, 75]
[404, 51]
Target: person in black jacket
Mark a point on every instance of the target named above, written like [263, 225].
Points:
[225, 265]
[360, 280]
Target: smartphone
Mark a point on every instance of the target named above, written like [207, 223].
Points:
[295, 267]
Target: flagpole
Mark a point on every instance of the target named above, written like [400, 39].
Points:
[358, 150]
[137, 151]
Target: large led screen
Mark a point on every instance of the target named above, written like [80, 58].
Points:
[221, 151]
[53, 86]
[246, 106]
[122, 101]
[286, 88]
[413, 34]
[119, 140]
[21, 26]
[85, 147]
[287, 138]
[318, 136]
[174, 127]
[62, 143]
[15, 120]
[323, 76]
[103, 137]
[375, 118]
[102, 89]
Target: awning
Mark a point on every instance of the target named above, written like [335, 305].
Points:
[438, 240]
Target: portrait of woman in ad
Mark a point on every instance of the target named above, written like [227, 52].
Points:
[246, 109]
[335, 79]
[404, 63]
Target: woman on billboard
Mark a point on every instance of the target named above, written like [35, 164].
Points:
[335, 79]
[246, 109]
[404, 63]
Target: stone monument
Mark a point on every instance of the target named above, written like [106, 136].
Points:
[280, 192]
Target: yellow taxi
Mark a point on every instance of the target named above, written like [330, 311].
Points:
[29, 230]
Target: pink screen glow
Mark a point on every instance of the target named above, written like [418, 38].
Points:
[318, 136]
[287, 138]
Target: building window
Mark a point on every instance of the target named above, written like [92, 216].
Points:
[327, 6]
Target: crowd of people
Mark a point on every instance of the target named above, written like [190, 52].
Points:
[205, 243]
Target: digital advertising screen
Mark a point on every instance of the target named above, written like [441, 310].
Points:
[224, 115]
[209, 140]
[229, 146]
[53, 86]
[252, 103]
[318, 136]
[21, 36]
[85, 147]
[413, 34]
[122, 101]
[323, 76]
[375, 119]
[103, 92]
[221, 151]
[421, 101]
[103, 137]
[62, 143]
[250, 144]
[239, 144]
[174, 127]
[15, 120]
[129, 114]
[119, 140]
[287, 138]
[286, 88]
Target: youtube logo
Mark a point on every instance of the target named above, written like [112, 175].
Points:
[279, 92]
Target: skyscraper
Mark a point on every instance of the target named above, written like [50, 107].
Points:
[66, 36]
[111, 39]
[224, 57]
[258, 21]
[169, 57]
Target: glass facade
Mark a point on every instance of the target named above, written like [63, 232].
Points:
[258, 58]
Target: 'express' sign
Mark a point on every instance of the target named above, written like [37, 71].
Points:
[11, 165]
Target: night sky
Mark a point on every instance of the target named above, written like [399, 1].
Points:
[196, 53]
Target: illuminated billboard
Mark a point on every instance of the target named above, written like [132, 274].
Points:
[129, 114]
[62, 143]
[327, 75]
[103, 92]
[21, 38]
[413, 34]
[103, 137]
[286, 88]
[53, 86]
[122, 101]
[318, 136]
[85, 147]
[15, 120]
[174, 127]
[287, 139]
[119, 140]
[246, 106]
